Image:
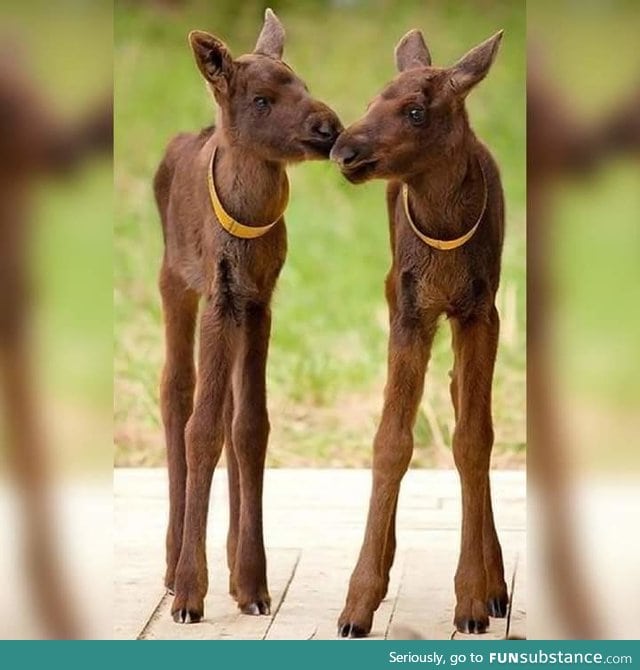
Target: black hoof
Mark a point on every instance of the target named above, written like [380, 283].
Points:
[351, 630]
[498, 607]
[186, 616]
[471, 626]
[256, 608]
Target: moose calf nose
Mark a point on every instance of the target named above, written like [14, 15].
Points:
[326, 130]
[323, 129]
[344, 154]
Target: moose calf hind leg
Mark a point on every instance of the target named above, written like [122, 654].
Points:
[234, 494]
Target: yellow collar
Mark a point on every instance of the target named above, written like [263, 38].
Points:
[232, 226]
[444, 245]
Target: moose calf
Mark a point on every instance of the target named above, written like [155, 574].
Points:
[221, 196]
[445, 208]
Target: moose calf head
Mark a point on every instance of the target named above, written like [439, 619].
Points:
[417, 119]
[264, 106]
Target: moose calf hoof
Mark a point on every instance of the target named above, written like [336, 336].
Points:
[472, 626]
[186, 609]
[256, 608]
[498, 606]
[187, 616]
[351, 624]
[351, 630]
[471, 617]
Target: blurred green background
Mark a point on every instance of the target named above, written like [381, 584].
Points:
[63, 53]
[594, 245]
[328, 354]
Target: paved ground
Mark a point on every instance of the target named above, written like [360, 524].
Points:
[314, 521]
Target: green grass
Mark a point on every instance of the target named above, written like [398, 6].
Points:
[327, 362]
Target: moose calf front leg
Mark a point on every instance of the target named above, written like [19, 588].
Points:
[180, 307]
[250, 436]
[475, 344]
[497, 594]
[409, 348]
[204, 440]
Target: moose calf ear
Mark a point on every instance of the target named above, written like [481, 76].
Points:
[212, 58]
[411, 52]
[271, 39]
[475, 64]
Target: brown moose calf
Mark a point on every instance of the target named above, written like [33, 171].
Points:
[222, 195]
[446, 218]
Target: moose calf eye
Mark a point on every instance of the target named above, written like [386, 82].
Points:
[416, 115]
[261, 103]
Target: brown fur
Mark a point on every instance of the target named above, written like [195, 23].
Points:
[436, 153]
[236, 279]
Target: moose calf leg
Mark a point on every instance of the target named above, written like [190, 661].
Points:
[409, 348]
[234, 493]
[250, 436]
[475, 344]
[497, 595]
[180, 307]
[389, 549]
[204, 440]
